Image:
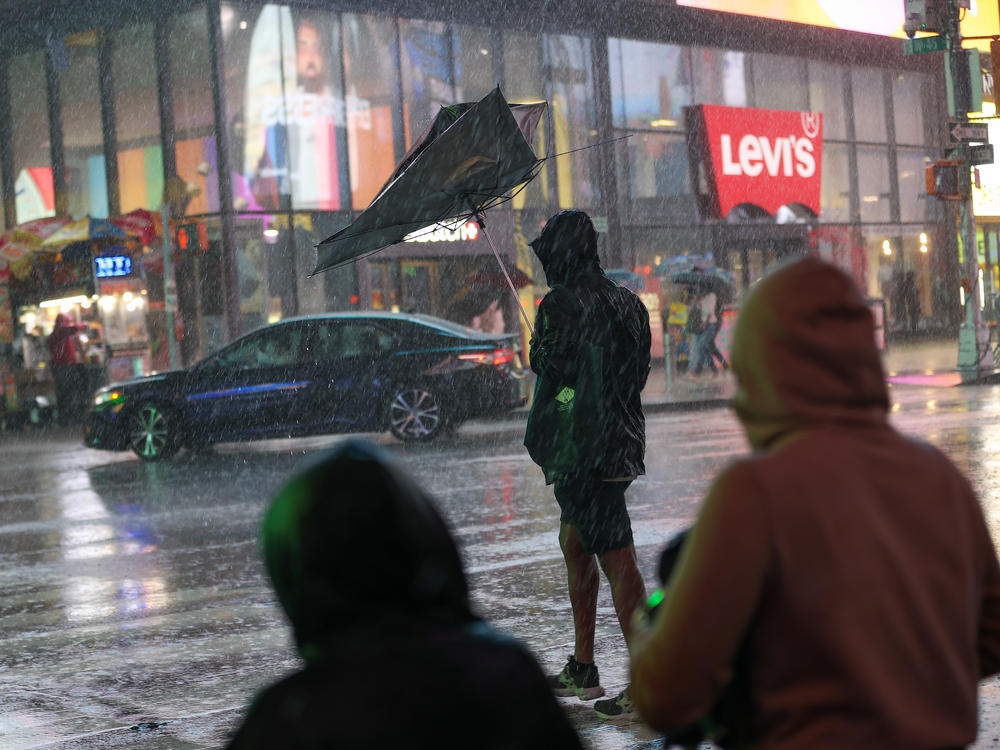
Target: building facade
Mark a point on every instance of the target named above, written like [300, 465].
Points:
[268, 127]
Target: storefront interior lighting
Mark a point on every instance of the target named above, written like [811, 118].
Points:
[270, 233]
[127, 296]
[107, 302]
[663, 123]
[886, 247]
[85, 304]
[923, 238]
[66, 302]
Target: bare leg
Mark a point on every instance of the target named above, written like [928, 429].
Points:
[583, 578]
[627, 588]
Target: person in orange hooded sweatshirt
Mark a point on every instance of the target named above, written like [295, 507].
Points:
[849, 566]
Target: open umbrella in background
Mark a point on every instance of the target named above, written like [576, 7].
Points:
[141, 224]
[715, 279]
[470, 158]
[83, 230]
[19, 244]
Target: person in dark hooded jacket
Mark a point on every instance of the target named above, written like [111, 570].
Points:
[849, 566]
[370, 578]
[585, 308]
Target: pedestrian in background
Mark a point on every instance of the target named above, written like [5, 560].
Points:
[372, 583]
[583, 311]
[850, 564]
[704, 344]
[68, 372]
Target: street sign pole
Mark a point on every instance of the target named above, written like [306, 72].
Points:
[169, 285]
[973, 335]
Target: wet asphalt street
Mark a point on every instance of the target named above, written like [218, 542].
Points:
[134, 610]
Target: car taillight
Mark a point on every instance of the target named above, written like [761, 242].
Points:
[495, 357]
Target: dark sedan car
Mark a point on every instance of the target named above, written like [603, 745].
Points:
[415, 375]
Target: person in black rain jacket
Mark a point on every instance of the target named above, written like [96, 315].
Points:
[585, 311]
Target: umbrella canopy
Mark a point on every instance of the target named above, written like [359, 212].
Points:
[83, 230]
[140, 223]
[456, 171]
[20, 243]
[718, 280]
[497, 280]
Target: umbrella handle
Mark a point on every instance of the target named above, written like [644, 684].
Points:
[503, 267]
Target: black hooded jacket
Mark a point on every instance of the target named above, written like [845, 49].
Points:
[368, 574]
[584, 305]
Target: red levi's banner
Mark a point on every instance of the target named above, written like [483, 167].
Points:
[766, 157]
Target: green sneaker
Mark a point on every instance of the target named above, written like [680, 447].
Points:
[615, 708]
[577, 679]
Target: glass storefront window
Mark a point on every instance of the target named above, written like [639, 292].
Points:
[869, 105]
[779, 82]
[873, 184]
[650, 84]
[372, 103]
[908, 107]
[913, 201]
[473, 51]
[719, 77]
[657, 165]
[137, 118]
[574, 120]
[194, 121]
[835, 190]
[29, 116]
[522, 56]
[826, 95]
[285, 108]
[428, 75]
[83, 136]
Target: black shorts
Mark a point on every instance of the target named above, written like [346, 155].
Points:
[597, 510]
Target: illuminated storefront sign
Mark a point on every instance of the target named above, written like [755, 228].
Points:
[767, 158]
[113, 265]
[883, 18]
[986, 197]
[444, 233]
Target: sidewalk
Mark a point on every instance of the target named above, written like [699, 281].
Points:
[918, 362]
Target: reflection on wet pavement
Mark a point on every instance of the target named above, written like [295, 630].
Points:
[133, 605]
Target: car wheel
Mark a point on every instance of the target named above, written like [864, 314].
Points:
[153, 433]
[415, 413]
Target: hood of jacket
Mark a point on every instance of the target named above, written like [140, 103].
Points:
[352, 540]
[804, 354]
[567, 247]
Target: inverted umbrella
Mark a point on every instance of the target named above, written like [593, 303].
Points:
[467, 161]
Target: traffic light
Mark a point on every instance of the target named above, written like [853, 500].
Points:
[942, 179]
[190, 238]
[925, 15]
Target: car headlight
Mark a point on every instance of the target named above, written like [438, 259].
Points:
[108, 397]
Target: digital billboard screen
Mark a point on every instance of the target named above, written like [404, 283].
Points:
[884, 18]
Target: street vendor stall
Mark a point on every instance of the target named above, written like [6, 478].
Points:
[98, 284]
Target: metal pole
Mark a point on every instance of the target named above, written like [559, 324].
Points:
[974, 335]
[503, 267]
[169, 287]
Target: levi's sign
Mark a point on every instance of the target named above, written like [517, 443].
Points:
[767, 158]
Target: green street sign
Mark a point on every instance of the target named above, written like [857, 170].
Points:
[924, 44]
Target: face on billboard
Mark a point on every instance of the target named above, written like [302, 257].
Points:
[884, 18]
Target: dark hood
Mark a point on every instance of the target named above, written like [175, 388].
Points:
[804, 354]
[351, 541]
[567, 247]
